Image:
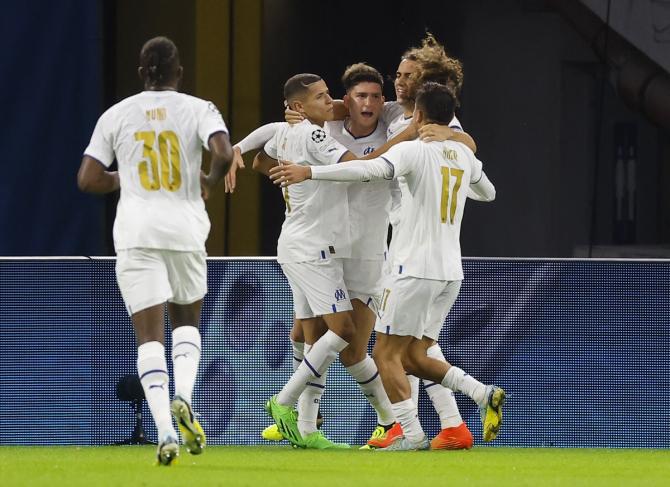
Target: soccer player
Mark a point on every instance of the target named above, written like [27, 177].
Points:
[161, 226]
[314, 239]
[427, 269]
[361, 132]
[418, 65]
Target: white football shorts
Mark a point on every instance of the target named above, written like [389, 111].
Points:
[415, 306]
[148, 277]
[318, 287]
[363, 280]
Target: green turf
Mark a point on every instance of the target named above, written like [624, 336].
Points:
[283, 466]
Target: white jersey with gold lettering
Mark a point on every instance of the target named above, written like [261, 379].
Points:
[436, 177]
[157, 138]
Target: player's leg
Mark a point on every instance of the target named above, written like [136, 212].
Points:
[142, 278]
[309, 400]
[187, 272]
[272, 433]
[454, 433]
[364, 371]
[388, 353]
[320, 285]
[489, 398]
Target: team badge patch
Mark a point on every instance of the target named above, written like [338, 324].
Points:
[318, 136]
[340, 295]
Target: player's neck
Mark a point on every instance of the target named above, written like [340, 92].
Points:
[409, 109]
[358, 130]
[160, 88]
[316, 121]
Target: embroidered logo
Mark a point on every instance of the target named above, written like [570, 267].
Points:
[340, 295]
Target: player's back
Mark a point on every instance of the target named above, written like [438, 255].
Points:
[316, 223]
[157, 138]
[437, 176]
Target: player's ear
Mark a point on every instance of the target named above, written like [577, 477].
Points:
[140, 73]
[418, 116]
[346, 99]
[298, 106]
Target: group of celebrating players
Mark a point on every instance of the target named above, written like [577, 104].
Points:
[347, 169]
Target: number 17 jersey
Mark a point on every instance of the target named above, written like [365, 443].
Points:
[437, 178]
[157, 138]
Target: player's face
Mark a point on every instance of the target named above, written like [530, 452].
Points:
[365, 102]
[405, 84]
[318, 105]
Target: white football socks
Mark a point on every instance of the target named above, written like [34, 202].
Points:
[298, 354]
[442, 398]
[367, 377]
[414, 387]
[186, 345]
[408, 416]
[313, 366]
[458, 380]
[152, 369]
[308, 402]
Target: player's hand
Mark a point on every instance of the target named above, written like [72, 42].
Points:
[292, 117]
[287, 173]
[433, 132]
[204, 186]
[231, 179]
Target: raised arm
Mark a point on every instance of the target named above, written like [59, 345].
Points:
[435, 132]
[483, 189]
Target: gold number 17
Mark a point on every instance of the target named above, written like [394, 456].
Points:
[447, 173]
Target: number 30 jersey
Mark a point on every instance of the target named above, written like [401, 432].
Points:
[437, 176]
[157, 138]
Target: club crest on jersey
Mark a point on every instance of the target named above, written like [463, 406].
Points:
[340, 295]
[368, 150]
[318, 136]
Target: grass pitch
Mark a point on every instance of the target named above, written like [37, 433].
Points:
[283, 466]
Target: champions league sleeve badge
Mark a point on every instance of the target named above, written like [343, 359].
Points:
[318, 136]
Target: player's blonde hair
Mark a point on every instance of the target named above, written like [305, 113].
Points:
[435, 64]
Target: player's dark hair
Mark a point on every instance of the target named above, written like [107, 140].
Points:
[299, 84]
[360, 73]
[437, 102]
[160, 59]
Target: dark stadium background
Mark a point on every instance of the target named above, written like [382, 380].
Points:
[547, 112]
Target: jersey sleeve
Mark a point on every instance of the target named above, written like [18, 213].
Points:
[323, 148]
[209, 123]
[455, 124]
[400, 158]
[259, 137]
[101, 146]
[477, 171]
[391, 111]
[270, 147]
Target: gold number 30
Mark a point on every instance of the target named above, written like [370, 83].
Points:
[447, 173]
[168, 148]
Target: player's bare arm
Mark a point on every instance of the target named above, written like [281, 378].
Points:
[436, 132]
[93, 178]
[222, 157]
[263, 163]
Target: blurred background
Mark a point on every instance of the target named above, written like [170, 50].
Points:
[568, 100]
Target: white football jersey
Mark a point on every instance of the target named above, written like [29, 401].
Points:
[316, 223]
[437, 177]
[157, 138]
[369, 202]
[396, 126]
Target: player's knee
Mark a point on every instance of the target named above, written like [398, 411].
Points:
[351, 355]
